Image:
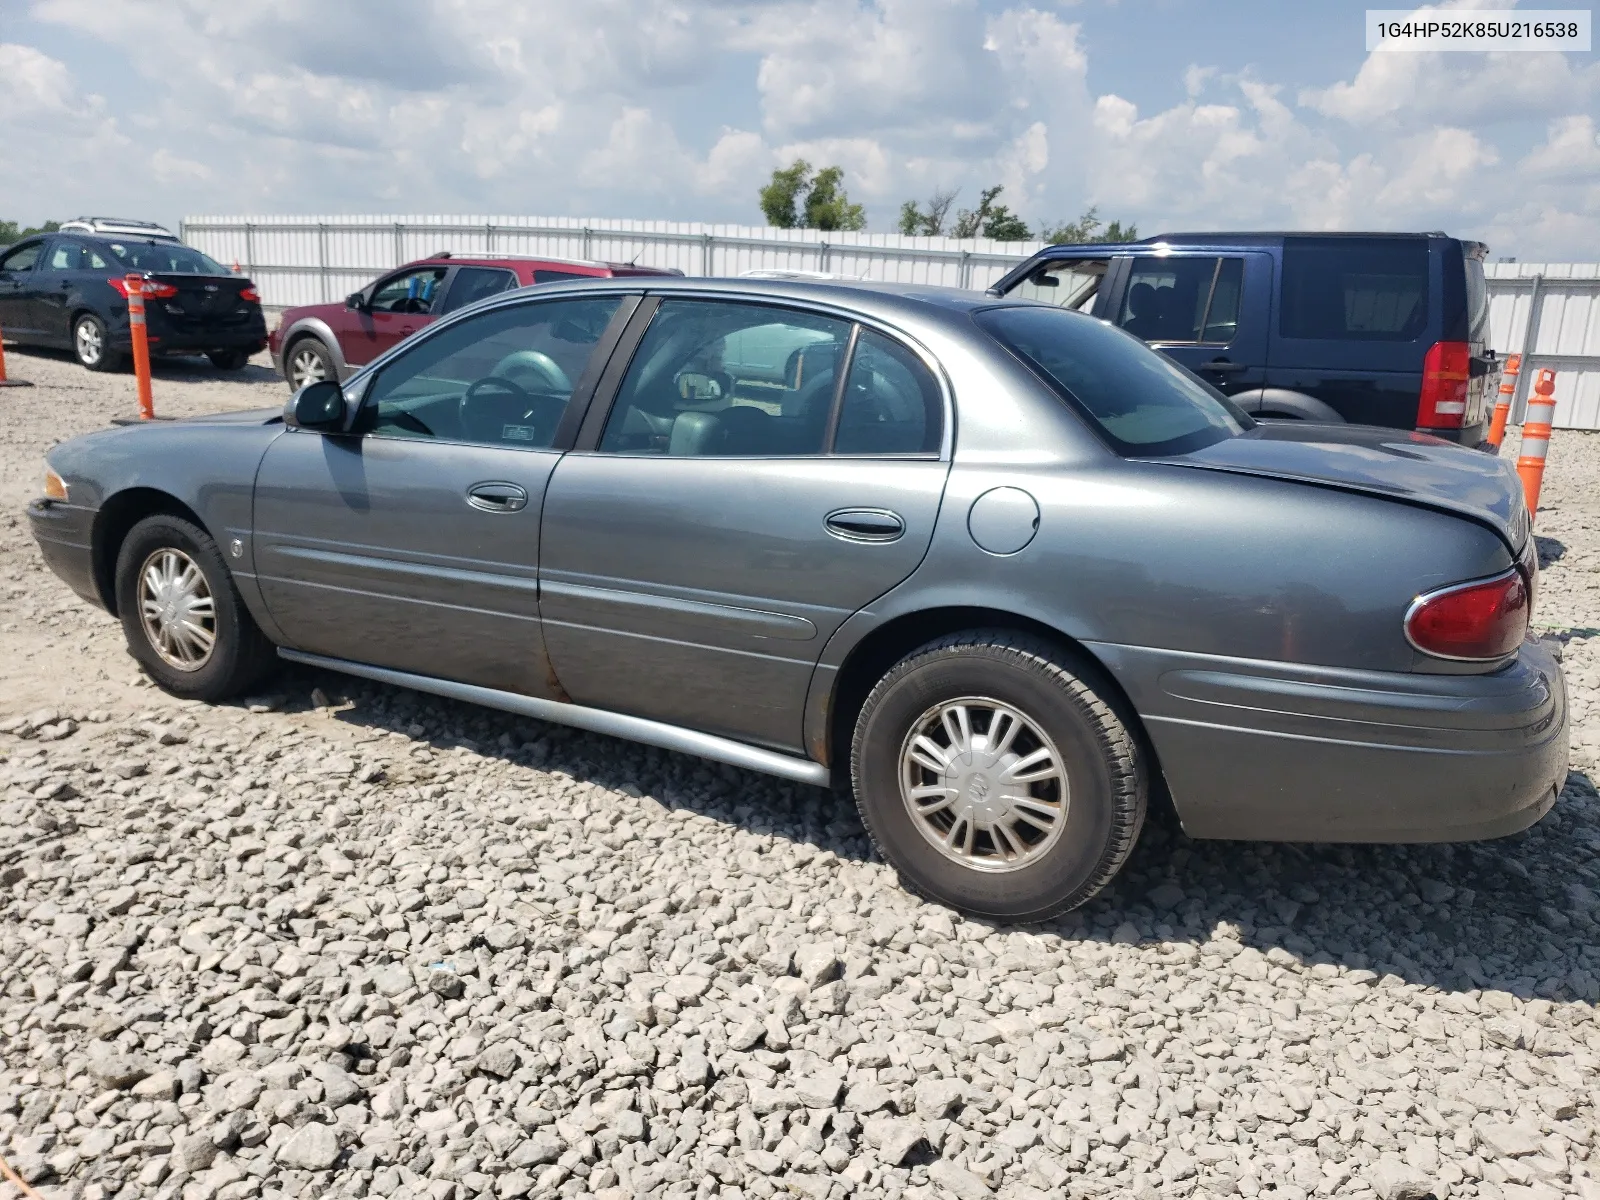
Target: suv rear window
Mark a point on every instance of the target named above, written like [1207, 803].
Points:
[1141, 401]
[1355, 289]
[1477, 296]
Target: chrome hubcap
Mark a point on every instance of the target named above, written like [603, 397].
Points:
[983, 784]
[306, 367]
[89, 341]
[177, 610]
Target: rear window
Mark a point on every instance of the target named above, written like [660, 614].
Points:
[1141, 401]
[166, 258]
[1355, 289]
[1477, 298]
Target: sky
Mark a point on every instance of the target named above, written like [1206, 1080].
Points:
[1173, 114]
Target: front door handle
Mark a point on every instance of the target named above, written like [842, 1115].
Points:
[497, 497]
[865, 525]
[1222, 364]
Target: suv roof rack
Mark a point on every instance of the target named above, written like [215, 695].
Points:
[115, 225]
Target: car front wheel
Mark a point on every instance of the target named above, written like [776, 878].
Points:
[308, 361]
[182, 614]
[91, 346]
[995, 779]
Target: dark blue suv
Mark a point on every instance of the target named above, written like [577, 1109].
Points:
[1373, 328]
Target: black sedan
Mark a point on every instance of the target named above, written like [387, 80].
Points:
[67, 290]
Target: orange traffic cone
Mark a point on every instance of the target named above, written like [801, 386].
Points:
[1536, 437]
[4, 382]
[1502, 407]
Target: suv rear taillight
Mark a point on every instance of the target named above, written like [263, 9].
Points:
[1478, 621]
[1445, 373]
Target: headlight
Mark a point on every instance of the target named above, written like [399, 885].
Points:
[55, 487]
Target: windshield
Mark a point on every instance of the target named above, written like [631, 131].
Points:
[166, 258]
[1140, 400]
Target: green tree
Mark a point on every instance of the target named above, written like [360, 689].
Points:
[1086, 230]
[796, 199]
[827, 206]
[10, 233]
[990, 220]
[919, 222]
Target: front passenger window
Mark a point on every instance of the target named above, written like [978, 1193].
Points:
[23, 259]
[500, 378]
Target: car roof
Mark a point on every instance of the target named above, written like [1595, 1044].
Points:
[500, 260]
[1243, 241]
[881, 298]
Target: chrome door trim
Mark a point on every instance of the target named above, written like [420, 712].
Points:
[633, 729]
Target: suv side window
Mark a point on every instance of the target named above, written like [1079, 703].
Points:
[472, 284]
[1067, 283]
[500, 378]
[721, 378]
[412, 292]
[23, 259]
[74, 256]
[1357, 289]
[1183, 299]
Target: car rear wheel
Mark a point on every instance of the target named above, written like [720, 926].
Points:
[91, 346]
[307, 361]
[995, 779]
[182, 615]
[229, 360]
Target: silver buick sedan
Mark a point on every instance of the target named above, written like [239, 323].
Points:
[998, 566]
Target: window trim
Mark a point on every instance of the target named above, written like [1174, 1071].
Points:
[605, 397]
[1211, 295]
[578, 403]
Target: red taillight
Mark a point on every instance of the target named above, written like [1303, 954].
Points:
[1483, 620]
[1445, 373]
[250, 294]
[152, 288]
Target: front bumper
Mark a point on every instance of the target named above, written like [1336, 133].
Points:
[1273, 752]
[65, 534]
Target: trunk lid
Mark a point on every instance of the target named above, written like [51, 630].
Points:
[1413, 468]
[207, 301]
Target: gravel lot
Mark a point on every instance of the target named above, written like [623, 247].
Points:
[353, 941]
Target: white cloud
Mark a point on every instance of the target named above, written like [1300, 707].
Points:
[680, 108]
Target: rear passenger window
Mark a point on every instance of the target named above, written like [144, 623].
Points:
[1355, 289]
[1183, 299]
[472, 284]
[891, 402]
[714, 378]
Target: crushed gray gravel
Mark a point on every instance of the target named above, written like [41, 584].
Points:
[345, 940]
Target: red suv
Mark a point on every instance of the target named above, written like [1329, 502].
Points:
[331, 341]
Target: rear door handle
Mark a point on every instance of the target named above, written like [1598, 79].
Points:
[497, 497]
[865, 525]
[1222, 364]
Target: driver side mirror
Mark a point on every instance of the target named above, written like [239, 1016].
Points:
[356, 300]
[318, 407]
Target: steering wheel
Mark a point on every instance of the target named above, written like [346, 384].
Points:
[470, 413]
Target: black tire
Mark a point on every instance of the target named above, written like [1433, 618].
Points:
[306, 360]
[91, 344]
[1100, 762]
[229, 360]
[240, 655]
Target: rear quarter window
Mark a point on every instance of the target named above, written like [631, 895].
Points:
[1139, 400]
[1355, 289]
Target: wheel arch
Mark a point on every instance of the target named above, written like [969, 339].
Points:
[119, 514]
[314, 327]
[886, 644]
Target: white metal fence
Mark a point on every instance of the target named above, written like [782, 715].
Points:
[1548, 312]
[310, 260]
